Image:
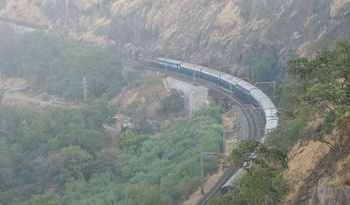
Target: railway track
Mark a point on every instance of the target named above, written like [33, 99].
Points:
[253, 122]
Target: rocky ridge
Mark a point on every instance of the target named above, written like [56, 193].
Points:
[215, 33]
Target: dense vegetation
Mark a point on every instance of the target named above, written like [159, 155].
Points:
[42, 149]
[317, 89]
[262, 66]
[174, 103]
[64, 155]
[57, 65]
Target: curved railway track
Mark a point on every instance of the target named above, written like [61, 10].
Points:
[252, 119]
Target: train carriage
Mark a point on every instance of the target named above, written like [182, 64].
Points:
[257, 94]
[242, 89]
[190, 68]
[210, 74]
[170, 64]
[229, 81]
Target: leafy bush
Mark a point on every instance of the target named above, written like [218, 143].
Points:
[165, 169]
[172, 103]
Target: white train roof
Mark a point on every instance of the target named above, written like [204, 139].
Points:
[210, 71]
[245, 85]
[170, 60]
[229, 78]
[235, 176]
[271, 123]
[191, 66]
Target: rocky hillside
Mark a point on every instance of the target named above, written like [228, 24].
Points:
[214, 33]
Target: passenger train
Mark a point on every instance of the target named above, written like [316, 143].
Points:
[240, 87]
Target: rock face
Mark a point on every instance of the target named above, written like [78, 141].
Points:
[195, 96]
[218, 34]
[214, 33]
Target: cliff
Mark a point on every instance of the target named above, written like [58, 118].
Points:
[215, 33]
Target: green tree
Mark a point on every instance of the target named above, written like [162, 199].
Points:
[164, 169]
[264, 183]
[96, 115]
[58, 65]
[89, 140]
[128, 141]
[105, 160]
[46, 199]
[146, 195]
[261, 187]
[172, 103]
[69, 163]
[253, 151]
[323, 85]
[262, 66]
[7, 174]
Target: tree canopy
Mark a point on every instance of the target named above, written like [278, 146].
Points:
[65, 151]
[323, 86]
[264, 183]
[58, 65]
[172, 103]
[318, 88]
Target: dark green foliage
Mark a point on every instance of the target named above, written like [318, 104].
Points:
[69, 163]
[263, 183]
[267, 158]
[262, 66]
[163, 170]
[63, 150]
[286, 134]
[324, 80]
[323, 84]
[172, 103]
[49, 148]
[128, 141]
[105, 160]
[146, 195]
[7, 172]
[318, 88]
[46, 199]
[57, 65]
[261, 187]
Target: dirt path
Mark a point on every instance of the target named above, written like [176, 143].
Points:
[21, 99]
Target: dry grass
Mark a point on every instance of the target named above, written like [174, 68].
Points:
[147, 95]
[14, 82]
[336, 5]
[302, 163]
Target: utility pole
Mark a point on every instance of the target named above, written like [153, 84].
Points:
[202, 175]
[0, 80]
[223, 158]
[85, 91]
[223, 142]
